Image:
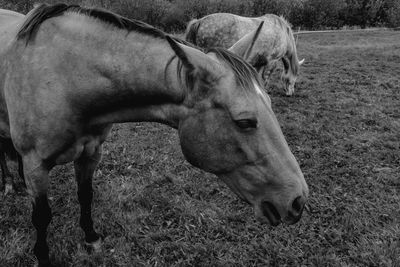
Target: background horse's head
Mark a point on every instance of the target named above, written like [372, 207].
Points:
[290, 73]
[251, 48]
[291, 62]
[230, 130]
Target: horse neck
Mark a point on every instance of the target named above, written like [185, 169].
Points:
[146, 90]
[133, 78]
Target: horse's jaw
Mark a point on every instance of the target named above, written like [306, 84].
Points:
[270, 205]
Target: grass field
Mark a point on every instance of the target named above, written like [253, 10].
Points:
[154, 209]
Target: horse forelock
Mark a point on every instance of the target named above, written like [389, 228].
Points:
[245, 74]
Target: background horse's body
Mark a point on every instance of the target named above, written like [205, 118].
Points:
[72, 72]
[276, 41]
[9, 24]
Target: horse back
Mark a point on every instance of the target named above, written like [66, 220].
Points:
[9, 20]
[9, 24]
[9, 13]
[220, 29]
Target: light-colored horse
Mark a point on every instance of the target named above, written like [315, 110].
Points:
[72, 72]
[8, 23]
[276, 41]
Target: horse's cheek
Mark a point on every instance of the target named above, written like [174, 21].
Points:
[210, 149]
[196, 145]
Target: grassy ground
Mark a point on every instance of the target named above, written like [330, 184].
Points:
[154, 209]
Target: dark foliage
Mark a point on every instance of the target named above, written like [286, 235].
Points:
[173, 15]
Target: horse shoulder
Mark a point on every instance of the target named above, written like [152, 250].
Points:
[86, 143]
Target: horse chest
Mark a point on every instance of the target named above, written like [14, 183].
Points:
[84, 145]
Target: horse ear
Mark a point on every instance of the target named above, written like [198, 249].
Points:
[244, 46]
[193, 59]
[301, 62]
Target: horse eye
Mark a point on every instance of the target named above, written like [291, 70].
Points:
[246, 123]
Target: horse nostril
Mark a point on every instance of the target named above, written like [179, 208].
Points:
[271, 213]
[298, 205]
[295, 213]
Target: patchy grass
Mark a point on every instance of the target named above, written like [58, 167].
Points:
[154, 209]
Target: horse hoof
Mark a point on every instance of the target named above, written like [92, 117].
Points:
[8, 189]
[95, 246]
[43, 264]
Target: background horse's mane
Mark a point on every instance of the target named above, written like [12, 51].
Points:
[281, 20]
[191, 31]
[294, 61]
[288, 24]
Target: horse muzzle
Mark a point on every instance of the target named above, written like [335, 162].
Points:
[267, 212]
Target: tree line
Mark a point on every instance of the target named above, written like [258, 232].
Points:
[173, 15]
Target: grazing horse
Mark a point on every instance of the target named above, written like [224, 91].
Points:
[276, 42]
[8, 23]
[72, 72]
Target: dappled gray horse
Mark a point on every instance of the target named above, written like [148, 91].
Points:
[72, 72]
[9, 20]
[276, 41]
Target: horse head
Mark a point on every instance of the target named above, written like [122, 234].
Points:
[229, 129]
[290, 73]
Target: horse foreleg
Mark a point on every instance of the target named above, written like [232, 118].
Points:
[84, 169]
[6, 177]
[21, 169]
[37, 181]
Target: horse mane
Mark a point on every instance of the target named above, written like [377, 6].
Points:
[191, 31]
[43, 12]
[288, 24]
